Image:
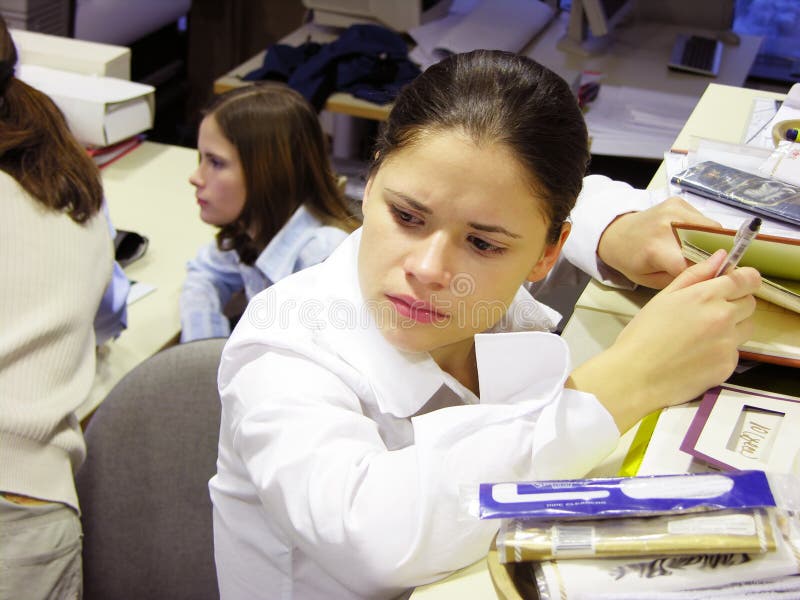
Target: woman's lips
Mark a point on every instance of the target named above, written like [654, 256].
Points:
[411, 308]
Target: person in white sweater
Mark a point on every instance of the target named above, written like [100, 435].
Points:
[56, 259]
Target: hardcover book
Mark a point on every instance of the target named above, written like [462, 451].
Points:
[760, 195]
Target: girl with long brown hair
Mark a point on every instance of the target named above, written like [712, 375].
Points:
[264, 178]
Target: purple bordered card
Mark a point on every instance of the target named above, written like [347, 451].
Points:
[741, 429]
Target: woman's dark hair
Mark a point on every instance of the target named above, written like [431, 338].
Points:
[285, 163]
[38, 150]
[499, 97]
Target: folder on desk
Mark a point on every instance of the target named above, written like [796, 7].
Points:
[99, 110]
[776, 331]
[777, 258]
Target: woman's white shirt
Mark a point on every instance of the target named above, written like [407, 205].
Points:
[341, 457]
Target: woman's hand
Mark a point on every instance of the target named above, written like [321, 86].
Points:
[641, 245]
[683, 342]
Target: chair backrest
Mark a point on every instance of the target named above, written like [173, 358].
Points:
[143, 490]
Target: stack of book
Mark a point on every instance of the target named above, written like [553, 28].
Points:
[105, 155]
[709, 535]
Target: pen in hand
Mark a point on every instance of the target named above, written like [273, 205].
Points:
[746, 234]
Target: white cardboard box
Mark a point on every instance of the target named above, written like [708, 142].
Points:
[99, 110]
[67, 54]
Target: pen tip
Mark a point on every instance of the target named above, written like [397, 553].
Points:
[755, 224]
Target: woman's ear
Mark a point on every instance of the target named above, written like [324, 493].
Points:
[550, 255]
[367, 189]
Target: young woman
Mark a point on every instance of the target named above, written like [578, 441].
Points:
[265, 180]
[56, 260]
[359, 395]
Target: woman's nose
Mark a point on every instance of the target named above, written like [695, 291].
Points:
[195, 178]
[429, 262]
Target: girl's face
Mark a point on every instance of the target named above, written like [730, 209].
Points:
[219, 178]
[451, 230]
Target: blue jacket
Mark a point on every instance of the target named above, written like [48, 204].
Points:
[368, 61]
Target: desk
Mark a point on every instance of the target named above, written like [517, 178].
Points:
[722, 113]
[148, 192]
[637, 59]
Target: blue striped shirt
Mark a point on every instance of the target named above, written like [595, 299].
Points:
[213, 276]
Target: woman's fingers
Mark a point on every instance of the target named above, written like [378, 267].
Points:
[697, 273]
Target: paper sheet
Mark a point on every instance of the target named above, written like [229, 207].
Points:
[496, 24]
[139, 290]
[629, 121]
[759, 133]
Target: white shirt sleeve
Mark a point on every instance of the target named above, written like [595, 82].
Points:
[600, 202]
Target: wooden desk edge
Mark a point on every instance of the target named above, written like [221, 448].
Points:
[338, 102]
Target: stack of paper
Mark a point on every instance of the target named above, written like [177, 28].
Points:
[674, 536]
[626, 121]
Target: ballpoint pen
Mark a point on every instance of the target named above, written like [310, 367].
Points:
[746, 234]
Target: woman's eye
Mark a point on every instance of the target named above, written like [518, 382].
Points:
[485, 247]
[405, 218]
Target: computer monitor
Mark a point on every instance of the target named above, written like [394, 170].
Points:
[400, 15]
[591, 23]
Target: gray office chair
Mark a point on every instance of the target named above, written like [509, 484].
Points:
[143, 490]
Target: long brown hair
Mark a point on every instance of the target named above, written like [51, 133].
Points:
[284, 159]
[495, 96]
[37, 148]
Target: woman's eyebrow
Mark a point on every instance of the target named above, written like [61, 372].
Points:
[415, 204]
[494, 229]
[425, 210]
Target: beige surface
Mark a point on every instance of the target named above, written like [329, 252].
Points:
[148, 192]
[722, 114]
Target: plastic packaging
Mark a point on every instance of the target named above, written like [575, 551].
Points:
[624, 497]
[784, 162]
[748, 530]
[699, 575]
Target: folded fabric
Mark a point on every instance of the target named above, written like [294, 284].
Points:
[368, 61]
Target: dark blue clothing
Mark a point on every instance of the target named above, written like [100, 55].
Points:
[368, 61]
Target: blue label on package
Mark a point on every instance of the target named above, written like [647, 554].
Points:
[624, 496]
